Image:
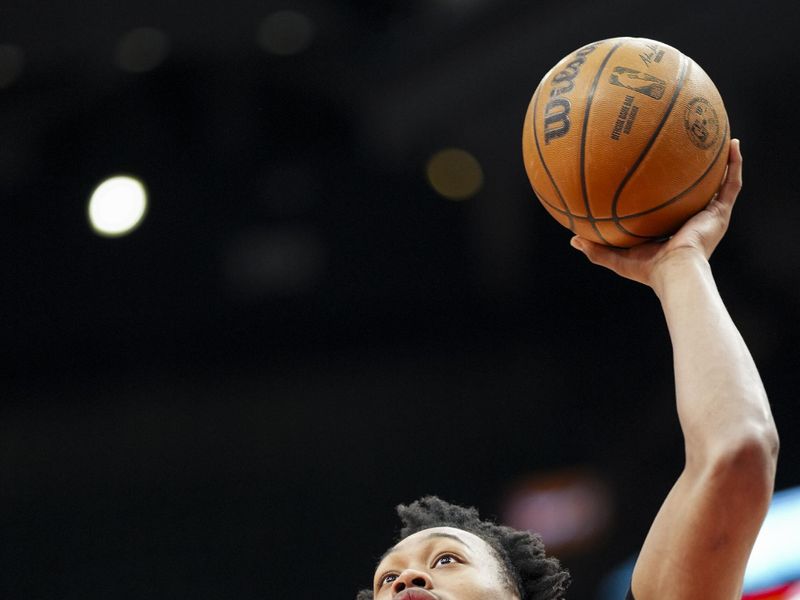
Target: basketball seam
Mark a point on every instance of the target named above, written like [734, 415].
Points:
[589, 99]
[678, 196]
[564, 209]
[685, 64]
[663, 204]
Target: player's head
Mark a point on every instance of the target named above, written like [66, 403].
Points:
[448, 550]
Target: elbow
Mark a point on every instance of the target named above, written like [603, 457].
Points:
[749, 462]
[756, 450]
[773, 443]
[764, 443]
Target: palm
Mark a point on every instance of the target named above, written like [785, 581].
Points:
[700, 234]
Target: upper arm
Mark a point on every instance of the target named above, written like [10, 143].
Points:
[700, 541]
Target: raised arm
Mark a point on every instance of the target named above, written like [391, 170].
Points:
[699, 543]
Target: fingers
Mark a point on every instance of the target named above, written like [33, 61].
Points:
[597, 253]
[631, 263]
[701, 233]
[733, 178]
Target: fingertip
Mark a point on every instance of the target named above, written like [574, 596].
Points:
[577, 243]
[736, 146]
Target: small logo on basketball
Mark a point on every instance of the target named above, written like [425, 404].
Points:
[701, 123]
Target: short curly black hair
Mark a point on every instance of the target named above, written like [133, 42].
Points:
[528, 569]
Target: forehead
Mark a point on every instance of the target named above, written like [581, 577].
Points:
[421, 539]
[468, 538]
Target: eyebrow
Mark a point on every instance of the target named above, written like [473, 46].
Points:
[435, 534]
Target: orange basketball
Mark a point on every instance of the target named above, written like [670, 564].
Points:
[624, 140]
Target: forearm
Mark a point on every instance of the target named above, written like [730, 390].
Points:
[721, 400]
[700, 541]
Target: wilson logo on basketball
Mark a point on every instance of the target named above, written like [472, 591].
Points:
[556, 111]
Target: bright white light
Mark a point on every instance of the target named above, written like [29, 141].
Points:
[117, 206]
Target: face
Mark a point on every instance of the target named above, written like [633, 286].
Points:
[441, 563]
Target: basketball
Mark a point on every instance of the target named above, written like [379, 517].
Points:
[624, 140]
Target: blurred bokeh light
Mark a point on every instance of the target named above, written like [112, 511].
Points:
[286, 32]
[454, 173]
[570, 509]
[117, 206]
[141, 50]
[12, 62]
[285, 260]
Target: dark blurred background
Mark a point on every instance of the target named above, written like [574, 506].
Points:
[303, 332]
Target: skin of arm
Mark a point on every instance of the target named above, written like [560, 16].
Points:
[700, 541]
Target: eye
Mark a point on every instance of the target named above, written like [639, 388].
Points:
[388, 578]
[445, 559]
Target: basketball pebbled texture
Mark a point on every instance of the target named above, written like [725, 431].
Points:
[624, 140]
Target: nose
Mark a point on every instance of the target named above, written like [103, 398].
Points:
[411, 578]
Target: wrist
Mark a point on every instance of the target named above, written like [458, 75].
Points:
[676, 267]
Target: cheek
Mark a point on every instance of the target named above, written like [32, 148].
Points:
[473, 585]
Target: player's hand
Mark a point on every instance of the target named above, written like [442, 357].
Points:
[699, 236]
